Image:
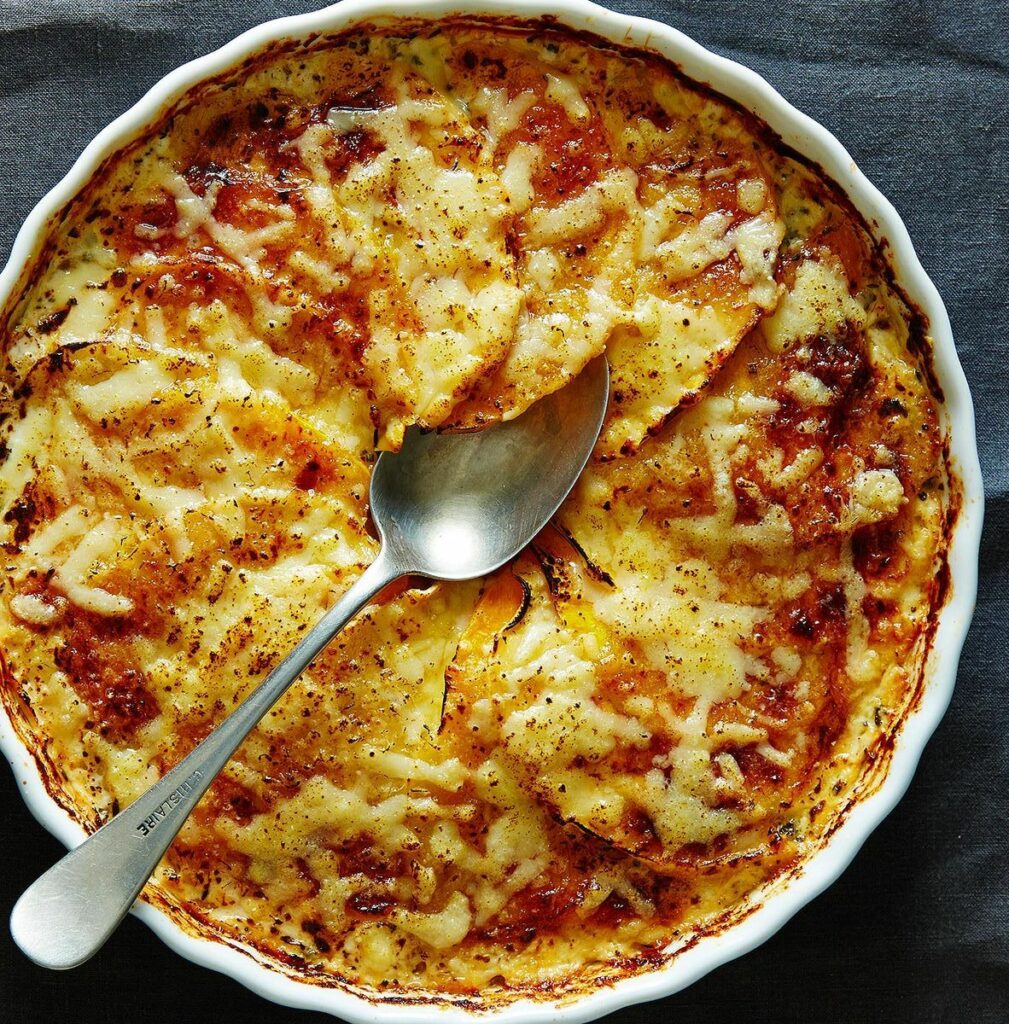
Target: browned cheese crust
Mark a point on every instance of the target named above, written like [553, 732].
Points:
[559, 775]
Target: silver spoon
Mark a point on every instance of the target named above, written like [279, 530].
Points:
[447, 506]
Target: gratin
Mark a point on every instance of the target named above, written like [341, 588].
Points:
[555, 776]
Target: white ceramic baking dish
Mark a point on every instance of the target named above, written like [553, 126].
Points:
[808, 138]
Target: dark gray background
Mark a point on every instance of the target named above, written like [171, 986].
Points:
[916, 929]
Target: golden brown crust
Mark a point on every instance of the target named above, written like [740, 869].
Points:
[536, 782]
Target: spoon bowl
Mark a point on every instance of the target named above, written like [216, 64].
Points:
[456, 506]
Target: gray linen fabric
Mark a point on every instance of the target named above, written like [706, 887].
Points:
[917, 930]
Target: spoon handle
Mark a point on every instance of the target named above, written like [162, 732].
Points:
[67, 915]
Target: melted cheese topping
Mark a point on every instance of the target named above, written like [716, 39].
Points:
[528, 784]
